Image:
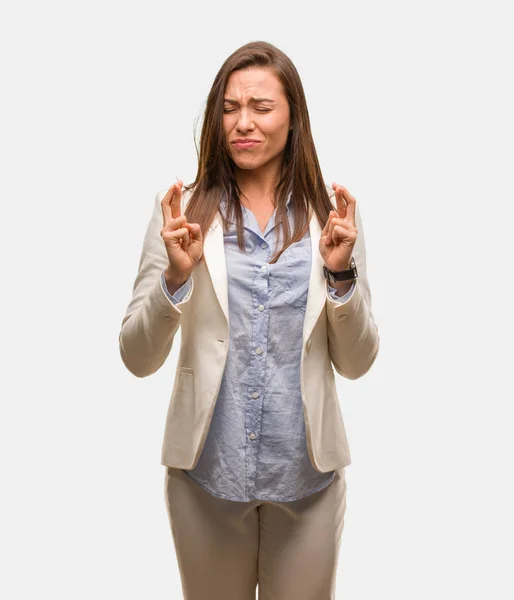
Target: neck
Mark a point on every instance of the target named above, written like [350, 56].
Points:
[260, 182]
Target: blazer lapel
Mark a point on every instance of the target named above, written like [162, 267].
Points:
[214, 255]
[317, 288]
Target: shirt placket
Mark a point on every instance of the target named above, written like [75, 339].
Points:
[258, 348]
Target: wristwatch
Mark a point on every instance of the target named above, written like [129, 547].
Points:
[346, 275]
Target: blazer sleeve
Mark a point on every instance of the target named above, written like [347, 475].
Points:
[353, 339]
[151, 319]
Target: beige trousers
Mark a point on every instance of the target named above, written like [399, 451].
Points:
[225, 548]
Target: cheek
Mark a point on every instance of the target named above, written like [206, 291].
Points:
[277, 136]
[277, 129]
[228, 123]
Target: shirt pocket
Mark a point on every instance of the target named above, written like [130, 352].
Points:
[295, 264]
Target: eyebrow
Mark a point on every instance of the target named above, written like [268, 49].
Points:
[252, 99]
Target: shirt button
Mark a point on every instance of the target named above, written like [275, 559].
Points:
[261, 307]
[252, 436]
[264, 245]
[255, 395]
[264, 268]
[258, 350]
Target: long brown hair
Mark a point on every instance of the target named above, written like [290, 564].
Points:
[300, 170]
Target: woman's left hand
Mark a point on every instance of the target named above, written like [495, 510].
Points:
[340, 233]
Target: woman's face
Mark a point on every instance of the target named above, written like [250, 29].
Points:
[255, 108]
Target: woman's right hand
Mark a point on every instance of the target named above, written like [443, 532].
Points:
[183, 240]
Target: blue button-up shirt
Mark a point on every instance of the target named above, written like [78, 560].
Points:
[256, 444]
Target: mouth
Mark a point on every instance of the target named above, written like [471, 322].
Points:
[245, 145]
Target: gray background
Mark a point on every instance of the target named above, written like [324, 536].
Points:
[411, 108]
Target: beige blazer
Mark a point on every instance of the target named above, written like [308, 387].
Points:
[340, 334]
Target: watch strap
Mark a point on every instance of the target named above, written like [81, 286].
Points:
[346, 275]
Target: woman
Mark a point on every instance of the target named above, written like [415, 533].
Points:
[263, 267]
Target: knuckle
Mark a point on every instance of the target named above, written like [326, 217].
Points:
[177, 222]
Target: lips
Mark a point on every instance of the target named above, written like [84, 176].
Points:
[244, 145]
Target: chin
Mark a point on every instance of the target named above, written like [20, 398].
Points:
[248, 164]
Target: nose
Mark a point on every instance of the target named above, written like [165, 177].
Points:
[245, 122]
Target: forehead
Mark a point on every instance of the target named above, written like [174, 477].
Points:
[254, 82]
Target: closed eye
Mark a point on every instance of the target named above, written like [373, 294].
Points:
[264, 110]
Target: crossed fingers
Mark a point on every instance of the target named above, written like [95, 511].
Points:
[172, 216]
[344, 217]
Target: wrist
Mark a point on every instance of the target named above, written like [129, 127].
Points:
[174, 282]
[345, 267]
[342, 278]
[342, 287]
